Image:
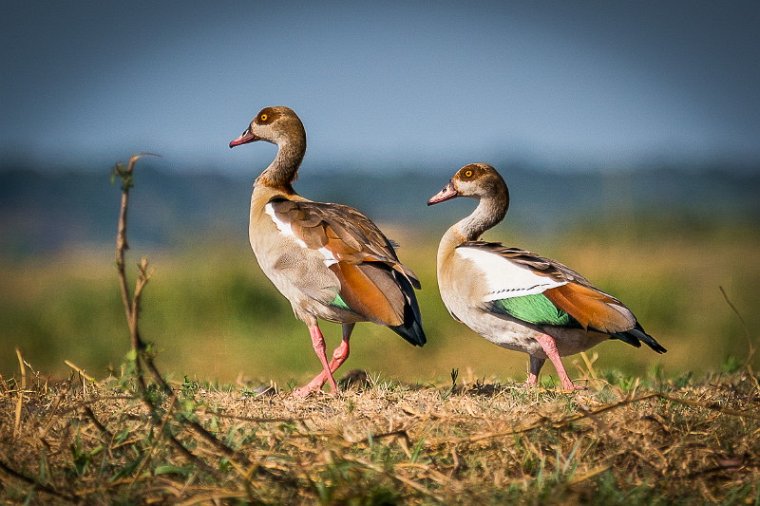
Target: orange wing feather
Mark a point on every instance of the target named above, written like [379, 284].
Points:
[591, 308]
[363, 296]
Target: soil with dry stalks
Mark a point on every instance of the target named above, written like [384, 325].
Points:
[383, 442]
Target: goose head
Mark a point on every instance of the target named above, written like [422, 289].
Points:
[474, 180]
[275, 124]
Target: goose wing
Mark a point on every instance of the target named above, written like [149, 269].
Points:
[373, 282]
[542, 291]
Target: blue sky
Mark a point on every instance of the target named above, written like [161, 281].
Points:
[403, 84]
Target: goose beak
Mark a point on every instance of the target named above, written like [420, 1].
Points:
[448, 192]
[244, 138]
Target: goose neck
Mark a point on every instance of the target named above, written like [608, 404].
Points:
[283, 169]
[487, 214]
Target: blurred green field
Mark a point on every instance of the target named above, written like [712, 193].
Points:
[212, 315]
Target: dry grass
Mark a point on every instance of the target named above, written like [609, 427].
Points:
[379, 442]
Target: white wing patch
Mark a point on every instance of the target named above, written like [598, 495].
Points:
[287, 230]
[329, 257]
[506, 279]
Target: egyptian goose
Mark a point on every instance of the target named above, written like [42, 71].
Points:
[516, 299]
[329, 260]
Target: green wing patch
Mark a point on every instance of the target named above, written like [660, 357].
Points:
[339, 302]
[535, 309]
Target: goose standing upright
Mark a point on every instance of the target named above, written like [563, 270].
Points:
[329, 260]
[516, 299]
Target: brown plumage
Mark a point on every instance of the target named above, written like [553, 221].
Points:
[344, 231]
[329, 260]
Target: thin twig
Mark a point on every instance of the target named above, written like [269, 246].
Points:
[102, 428]
[20, 401]
[36, 484]
[125, 173]
[81, 371]
[257, 419]
[750, 344]
[590, 414]
[149, 456]
[724, 411]
[406, 481]
[131, 305]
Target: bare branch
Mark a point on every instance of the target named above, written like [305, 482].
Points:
[750, 345]
[20, 401]
[36, 484]
[132, 311]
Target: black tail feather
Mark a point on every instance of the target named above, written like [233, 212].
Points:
[636, 336]
[411, 329]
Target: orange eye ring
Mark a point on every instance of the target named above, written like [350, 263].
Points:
[263, 117]
[468, 173]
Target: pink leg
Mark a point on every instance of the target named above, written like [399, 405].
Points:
[550, 348]
[318, 343]
[340, 354]
[535, 367]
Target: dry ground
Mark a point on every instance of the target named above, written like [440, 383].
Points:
[621, 441]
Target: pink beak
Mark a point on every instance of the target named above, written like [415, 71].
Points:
[244, 138]
[448, 192]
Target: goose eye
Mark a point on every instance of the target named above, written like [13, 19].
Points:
[468, 173]
[263, 117]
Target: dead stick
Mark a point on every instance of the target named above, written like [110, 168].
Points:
[98, 424]
[725, 411]
[750, 345]
[149, 456]
[121, 246]
[132, 309]
[131, 304]
[20, 401]
[561, 423]
[402, 479]
[36, 484]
